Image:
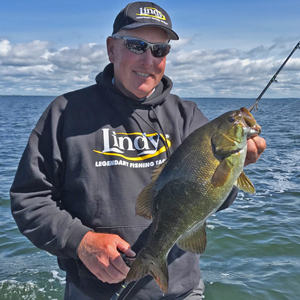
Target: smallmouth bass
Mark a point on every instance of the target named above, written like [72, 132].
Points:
[189, 187]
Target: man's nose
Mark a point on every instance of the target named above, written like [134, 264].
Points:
[147, 58]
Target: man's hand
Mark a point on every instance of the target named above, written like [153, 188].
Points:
[255, 147]
[98, 251]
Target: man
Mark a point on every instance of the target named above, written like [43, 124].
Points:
[93, 151]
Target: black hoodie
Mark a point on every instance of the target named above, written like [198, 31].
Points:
[89, 156]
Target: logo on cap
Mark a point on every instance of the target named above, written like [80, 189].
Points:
[151, 12]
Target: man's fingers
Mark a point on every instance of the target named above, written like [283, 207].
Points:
[112, 272]
[251, 149]
[118, 269]
[255, 147]
[104, 276]
[119, 265]
[125, 248]
[100, 254]
[260, 144]
[111, 275]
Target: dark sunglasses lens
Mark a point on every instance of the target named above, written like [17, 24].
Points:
[139, 47]
[136, 46]
[160, 50]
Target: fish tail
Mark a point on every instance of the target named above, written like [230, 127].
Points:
[146, 264]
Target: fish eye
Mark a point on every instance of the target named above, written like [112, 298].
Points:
[231, 119]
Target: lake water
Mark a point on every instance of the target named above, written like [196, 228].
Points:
[253, 249]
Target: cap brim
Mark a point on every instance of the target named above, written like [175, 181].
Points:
[172, 35]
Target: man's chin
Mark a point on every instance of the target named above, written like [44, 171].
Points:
[142, 93]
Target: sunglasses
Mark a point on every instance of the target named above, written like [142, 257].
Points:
[139, 46]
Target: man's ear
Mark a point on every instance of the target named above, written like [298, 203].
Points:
[110, 46]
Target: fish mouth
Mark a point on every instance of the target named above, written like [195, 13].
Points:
[254, 128]
[229, 137]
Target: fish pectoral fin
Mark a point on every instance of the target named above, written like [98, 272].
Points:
[194, 240]
[144, 205]
[245, 184]
[158, 170]
[222, 173]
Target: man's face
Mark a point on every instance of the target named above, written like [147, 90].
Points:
[137, 73]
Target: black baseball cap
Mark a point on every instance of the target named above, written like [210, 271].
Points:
[141, 14]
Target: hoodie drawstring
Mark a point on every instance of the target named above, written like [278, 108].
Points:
[164, 139]
[162, 130]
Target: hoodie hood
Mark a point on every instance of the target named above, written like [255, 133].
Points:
[104, 79]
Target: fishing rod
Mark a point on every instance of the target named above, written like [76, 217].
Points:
[129, 260]
[122, 289]
[118, 293]
[274, 78]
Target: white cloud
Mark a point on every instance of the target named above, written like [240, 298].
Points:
[234, 73]
[4, 47]
[37, 68]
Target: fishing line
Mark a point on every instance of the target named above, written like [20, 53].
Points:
[255, 105]
[266, 115]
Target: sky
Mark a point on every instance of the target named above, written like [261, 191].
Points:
[227, 48]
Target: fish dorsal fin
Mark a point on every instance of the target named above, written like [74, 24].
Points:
[244, 183]
[222, 173]
[194, 240]
[144, 204]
